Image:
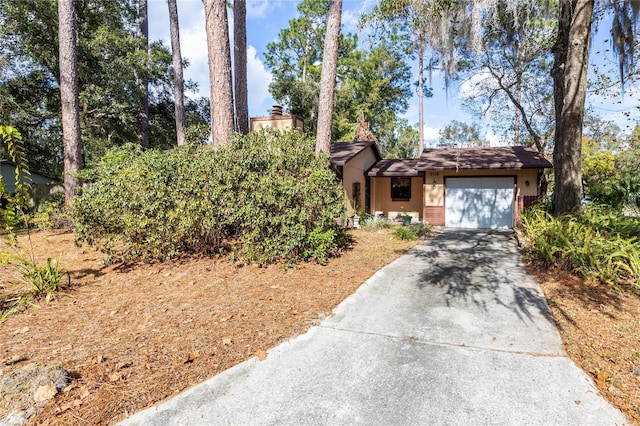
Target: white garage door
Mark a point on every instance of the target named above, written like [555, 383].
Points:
[485, 203]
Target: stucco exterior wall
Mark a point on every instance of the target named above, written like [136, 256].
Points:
[284, 122]
[381, 202]
[354, 171]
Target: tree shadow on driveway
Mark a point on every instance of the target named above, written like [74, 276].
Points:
[480, 268]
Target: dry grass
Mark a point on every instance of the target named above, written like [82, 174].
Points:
[134, 335]
[600, 329]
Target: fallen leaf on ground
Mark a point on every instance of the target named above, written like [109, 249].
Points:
[601, 379]
[191, 357]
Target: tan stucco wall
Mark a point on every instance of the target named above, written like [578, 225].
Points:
[278, 123]
[434, 195]
[354, 171]
[381, 197]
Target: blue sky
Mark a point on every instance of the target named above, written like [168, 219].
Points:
[265, 18]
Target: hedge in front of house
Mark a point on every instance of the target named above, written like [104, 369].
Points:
[265, 198]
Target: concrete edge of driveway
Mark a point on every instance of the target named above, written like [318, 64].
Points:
[428, 339]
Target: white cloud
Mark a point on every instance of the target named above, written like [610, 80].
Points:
[258, 81]
[431, 136]
[478, 83]
[193, 44]
[259, 8]
[494, 140]
[350, 19]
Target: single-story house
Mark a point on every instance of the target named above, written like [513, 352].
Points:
[41, 184]
[350, 161]
[479, 187]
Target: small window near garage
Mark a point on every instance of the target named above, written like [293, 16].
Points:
[400, 188]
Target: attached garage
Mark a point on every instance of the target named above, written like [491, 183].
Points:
[480, 187]
[479, 202]
[477, 187]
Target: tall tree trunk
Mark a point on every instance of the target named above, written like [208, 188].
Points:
[328, 76]
[72, 144]
[219, 72]
[571, 60]
[143, 78]
[421, 49]
[178, 79]
[240, 64]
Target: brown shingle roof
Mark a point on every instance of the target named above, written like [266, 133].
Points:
[342, 152]
[404, 167]
[502, 157]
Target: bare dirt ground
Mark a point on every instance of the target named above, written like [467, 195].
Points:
[600, 329]
[134, 335]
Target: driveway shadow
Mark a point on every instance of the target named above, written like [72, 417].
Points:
[482, 268]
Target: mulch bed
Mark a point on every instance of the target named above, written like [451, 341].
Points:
[133, 335]
[600, 329]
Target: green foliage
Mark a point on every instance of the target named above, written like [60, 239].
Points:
[459, 134]
[11, 216]
[111, 57]
[600, 244]
[422, 229]
[266, 198]
[52, 213]
[413, 231]
[43, 280]
[611, 178]
[397, 139]
[374, 81]
[404, 233]
[321, 244]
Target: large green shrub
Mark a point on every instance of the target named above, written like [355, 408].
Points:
[267, 197]
[600, 243]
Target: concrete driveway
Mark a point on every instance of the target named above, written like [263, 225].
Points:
[453, 333]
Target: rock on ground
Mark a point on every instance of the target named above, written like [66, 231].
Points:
[25, 391]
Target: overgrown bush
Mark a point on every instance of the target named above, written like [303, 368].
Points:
[267, 197]
[600, 244]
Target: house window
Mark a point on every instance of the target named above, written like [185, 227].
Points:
[400, 188]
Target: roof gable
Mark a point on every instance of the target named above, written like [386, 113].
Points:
[401, 167]
[502, 157]
[343, 152]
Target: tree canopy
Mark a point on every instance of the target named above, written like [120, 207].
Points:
[110, 57]
[374, 81]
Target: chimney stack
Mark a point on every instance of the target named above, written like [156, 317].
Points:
[276, 110]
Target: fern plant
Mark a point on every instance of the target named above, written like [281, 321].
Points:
[599, 244]
[43, 280]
